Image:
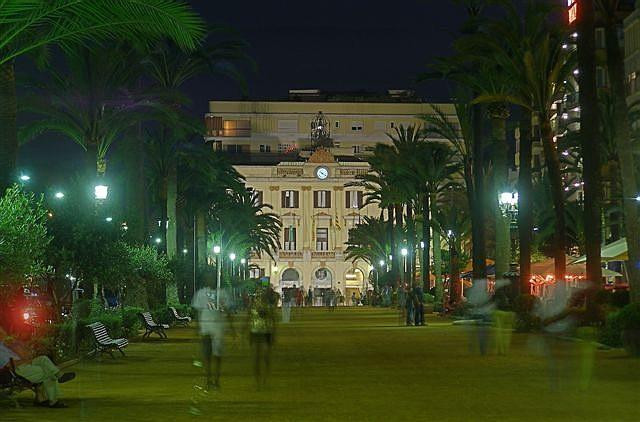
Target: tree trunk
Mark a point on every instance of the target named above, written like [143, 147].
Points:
[8, 125]
[615, 66]
[557, 192]
[426, 238]
[455, 289]
[590, 141]
[525, 204]
[136, 191]
[411, 245]
[201, 238]
[392, 242]
[437, 270]
[91, 159]
[478, 204]
[499, 114]
[397, 257]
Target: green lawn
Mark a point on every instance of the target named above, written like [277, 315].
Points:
[349, 365]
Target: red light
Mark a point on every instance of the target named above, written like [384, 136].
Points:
[26, 316]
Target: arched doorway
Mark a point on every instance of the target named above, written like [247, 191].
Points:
[290, 282]
[322, 282]
[354, 284]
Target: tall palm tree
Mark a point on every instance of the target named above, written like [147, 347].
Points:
[431, 170]
[383, 186]
[590, 139]
[170, 68]
[533, 56]
[31, 27]
[608, 10]
[460, 136]
[93, 101]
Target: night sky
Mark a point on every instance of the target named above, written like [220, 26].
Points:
[369, 45]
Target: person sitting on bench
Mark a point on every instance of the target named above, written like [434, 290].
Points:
[40, 371]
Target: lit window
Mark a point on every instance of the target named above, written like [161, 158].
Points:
[321, 199]
[322, 239]
[290, 199]
[290, 239]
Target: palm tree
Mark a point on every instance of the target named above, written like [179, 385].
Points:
[430, 171]
[382, 186]
[460, 137]
[533, 56]
[30, 27]
[170, 68]
[368, 242]
[608, 10]
[93, 102]
[590, 139]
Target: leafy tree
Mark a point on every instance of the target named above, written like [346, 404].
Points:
[23, 235]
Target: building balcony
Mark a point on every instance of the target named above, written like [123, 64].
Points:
[290, 255]
[323, 255]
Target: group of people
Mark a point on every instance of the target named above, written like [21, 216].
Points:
[411, 302]
[215, 318]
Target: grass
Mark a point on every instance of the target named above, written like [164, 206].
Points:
[349, 365]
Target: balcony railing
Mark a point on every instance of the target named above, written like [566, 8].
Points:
[323, 255]
[290, 254]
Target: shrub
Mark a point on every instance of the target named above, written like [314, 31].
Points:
[163, 315]
[523, 306]
[130, 320]
[626, 319]
[611, 333]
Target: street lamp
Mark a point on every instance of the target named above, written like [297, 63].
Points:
[59, 195]
[508, 202]
[158, 240]
[217, 250]
[25, 177]
[185, 251]
[110, 219]
[101, 192]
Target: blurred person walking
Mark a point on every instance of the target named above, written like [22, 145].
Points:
[262, 324]
[213, 320]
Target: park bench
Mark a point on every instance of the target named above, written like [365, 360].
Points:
[182, 320]
[103, 342]
[151, 326]
[11, 383]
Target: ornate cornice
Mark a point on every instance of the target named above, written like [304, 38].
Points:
[321, 155]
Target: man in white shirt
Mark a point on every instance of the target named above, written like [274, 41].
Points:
[212, 322]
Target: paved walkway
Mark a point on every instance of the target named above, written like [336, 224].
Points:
[353, 364]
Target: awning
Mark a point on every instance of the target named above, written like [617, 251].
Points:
[614, 251]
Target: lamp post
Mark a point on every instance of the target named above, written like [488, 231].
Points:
[243, 263]
[217, 250]
[378, 275]
[404, 252]
[232, 257]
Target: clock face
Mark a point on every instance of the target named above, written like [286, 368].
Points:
[322, 173]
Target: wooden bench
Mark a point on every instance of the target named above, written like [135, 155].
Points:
[103, 342]
[182, 320]
[151, 326]
[11, 383]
